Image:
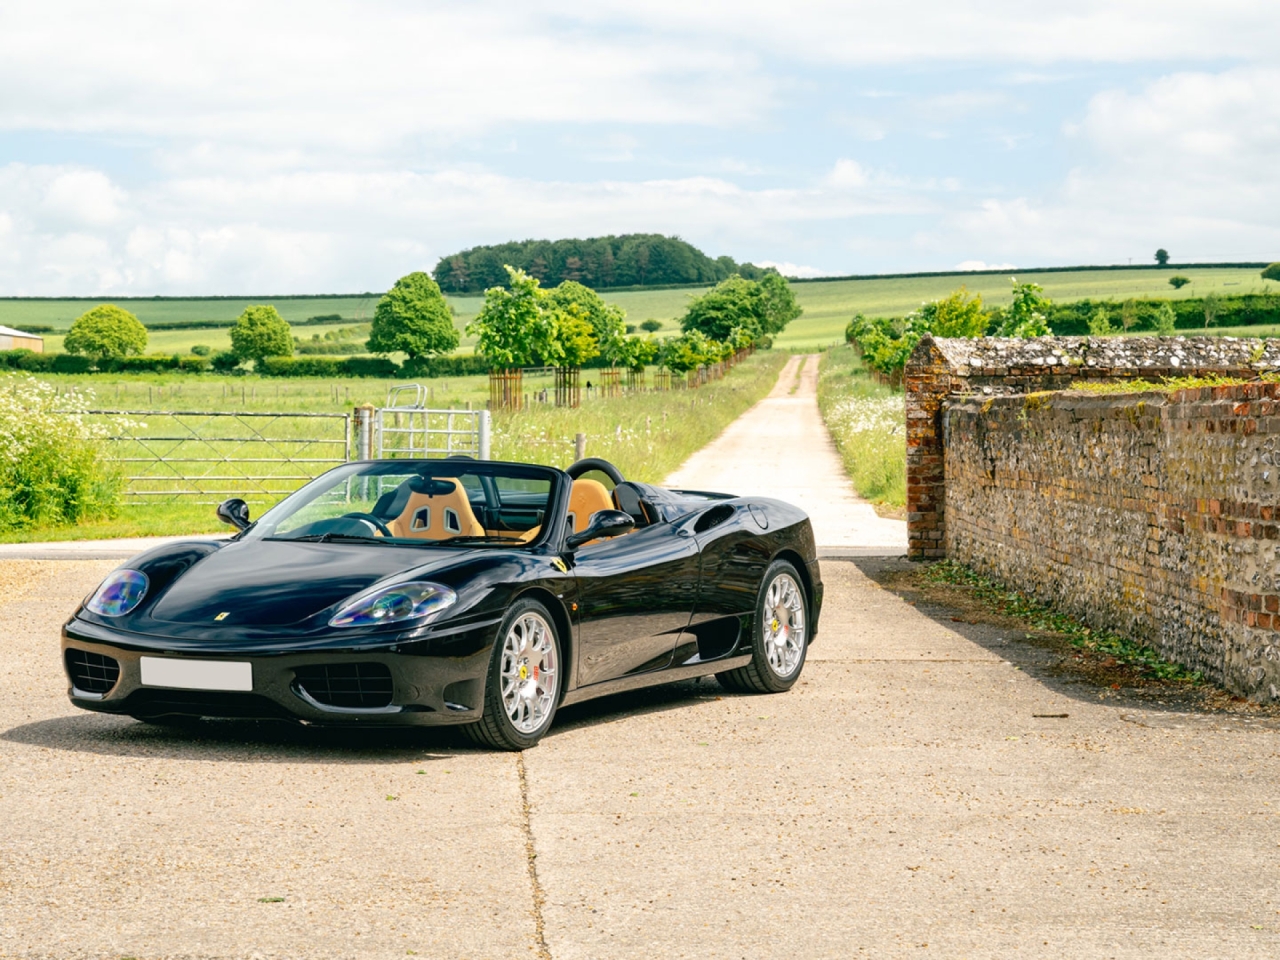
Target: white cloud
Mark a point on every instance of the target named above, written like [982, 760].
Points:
[979, 265]
[788, 269]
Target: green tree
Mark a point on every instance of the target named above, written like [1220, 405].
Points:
[414, 318]
[1162, 256]
[261, 332]
[576, 337]
[1211, 304]
[1100, 323]
[778, 305]
[606, 320]
[1026, 315]
[688, 351]
[106, 331]
[636, 353]
[1165, 318]
[1272, 272]
[651, 325]
[957, 315]
[1128, 314]
[515, 325]
[732, 303]
[1179, 282]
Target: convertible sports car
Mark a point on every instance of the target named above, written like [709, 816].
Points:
[452, 591]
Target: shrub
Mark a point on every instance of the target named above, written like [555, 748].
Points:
[1100, 323]
[261, 332]
[445, 366]
[200, 350]
[193, 364]
[328, 367]
[155, 363]
[54, 468]
[225, 362]
[29, 360]
[651, 326]
[1179, 282]
[69, 363]
[106, 331]
[413, 318]
[1271, 272]
[1165, 319]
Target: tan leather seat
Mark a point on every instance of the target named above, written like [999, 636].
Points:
[438, 517]
[585, 498]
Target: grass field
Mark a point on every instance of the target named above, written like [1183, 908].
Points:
[827, 306]
[646, 434]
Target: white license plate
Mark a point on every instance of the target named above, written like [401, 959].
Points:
[196, 674]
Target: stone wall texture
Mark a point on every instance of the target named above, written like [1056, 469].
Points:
[1152, 514]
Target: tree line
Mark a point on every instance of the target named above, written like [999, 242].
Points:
[521, 323]
[633, 259]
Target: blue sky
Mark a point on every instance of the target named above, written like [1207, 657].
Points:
[153, 148]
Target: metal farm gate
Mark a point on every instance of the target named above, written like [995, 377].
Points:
[406, 427]
[205, 457]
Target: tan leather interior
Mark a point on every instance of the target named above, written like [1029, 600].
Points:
[585, 498]
[439, 517]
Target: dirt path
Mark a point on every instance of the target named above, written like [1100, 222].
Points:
[781, 448]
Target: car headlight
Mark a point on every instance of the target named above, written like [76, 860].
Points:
[119, 594]
[396, 603]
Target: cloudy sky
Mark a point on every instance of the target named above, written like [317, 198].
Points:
[239, 148]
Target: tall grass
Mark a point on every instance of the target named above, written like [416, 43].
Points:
[867, 421]
[646, 435]
[54, 468]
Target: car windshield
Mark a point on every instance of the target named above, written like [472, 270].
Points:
[451, 502]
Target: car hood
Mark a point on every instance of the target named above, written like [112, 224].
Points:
[277, 582]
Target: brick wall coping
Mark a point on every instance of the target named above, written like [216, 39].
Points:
[1120, 356]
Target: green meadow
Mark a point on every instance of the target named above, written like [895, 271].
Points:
[828, 305]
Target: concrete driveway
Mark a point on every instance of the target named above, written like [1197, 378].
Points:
[916, 795]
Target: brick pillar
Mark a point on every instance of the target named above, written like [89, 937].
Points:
[928, 382]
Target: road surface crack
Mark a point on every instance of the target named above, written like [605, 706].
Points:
[531, 858]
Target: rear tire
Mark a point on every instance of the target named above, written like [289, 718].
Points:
[523, 687]
[779, 635]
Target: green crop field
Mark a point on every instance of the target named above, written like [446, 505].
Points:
[827, 305]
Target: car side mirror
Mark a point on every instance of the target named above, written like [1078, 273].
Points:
[235, 512]
[603, 523]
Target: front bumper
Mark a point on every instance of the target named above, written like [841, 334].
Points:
[425, 689]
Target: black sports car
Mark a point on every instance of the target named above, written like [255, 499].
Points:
[452, 591]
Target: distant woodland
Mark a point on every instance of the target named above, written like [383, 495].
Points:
[630, 260]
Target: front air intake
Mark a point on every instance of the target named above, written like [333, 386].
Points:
[352, 686]
[92, 672]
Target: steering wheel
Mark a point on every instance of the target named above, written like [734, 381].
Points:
[587, 464]
[381, 527]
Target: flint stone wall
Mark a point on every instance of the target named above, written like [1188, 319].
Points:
[1153, 514]
[941, 369]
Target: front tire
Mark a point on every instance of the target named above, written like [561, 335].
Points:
[523, 687]
[779, 635]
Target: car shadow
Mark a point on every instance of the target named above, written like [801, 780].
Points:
[1051, 661]
[240, 741]
[236, 741]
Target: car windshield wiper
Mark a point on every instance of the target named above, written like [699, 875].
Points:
[331, 537]
[482, 539]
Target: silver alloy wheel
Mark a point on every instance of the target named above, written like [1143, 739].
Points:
[530, 673]
[784, 628]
